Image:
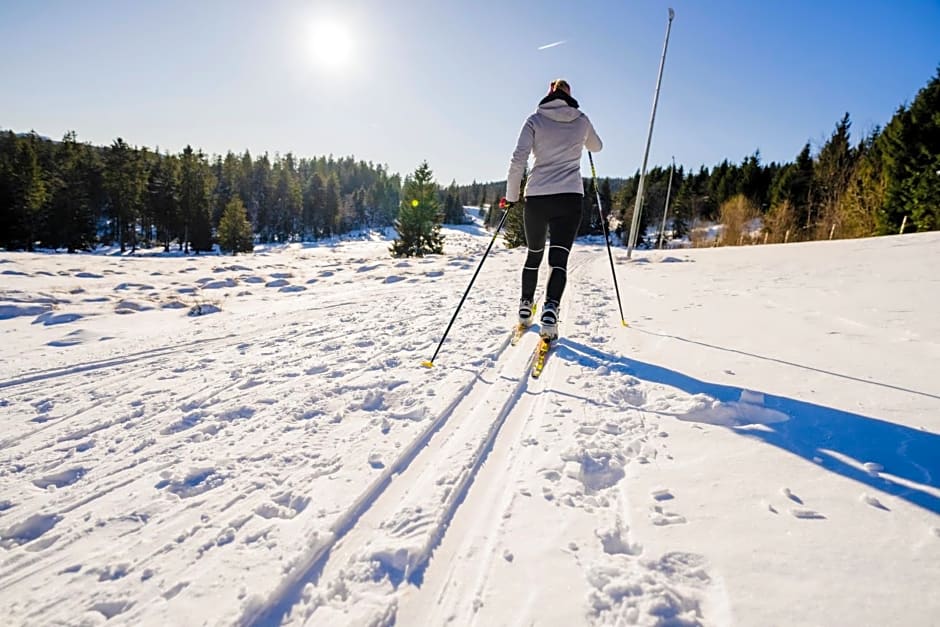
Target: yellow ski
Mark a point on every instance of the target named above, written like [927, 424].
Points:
[541, 354]
[517, 332]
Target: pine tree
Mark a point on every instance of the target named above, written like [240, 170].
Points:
[235, 234]
[863, 199]
[72, 223]
[30, 191]
[331, 206]
[790, 199]
[752, 180]
[9, 221]
[287, 202]
[313, 201]
[125, 181]
[453, 208]
[682, 203]
[831, 172]
[419, 217]
[227, 173]
[163, 192]
[262, 193]
[922, 171]
[195, 186]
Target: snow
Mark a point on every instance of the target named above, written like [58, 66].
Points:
[253, 440]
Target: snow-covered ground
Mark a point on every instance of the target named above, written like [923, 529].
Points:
[758, 447]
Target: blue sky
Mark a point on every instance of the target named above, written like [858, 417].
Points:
[451, 82]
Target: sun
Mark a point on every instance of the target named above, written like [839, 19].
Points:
[331, 44]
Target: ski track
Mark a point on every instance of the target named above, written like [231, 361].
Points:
[362, 558]
[569, 461]
[305, 470]
[426, 455]
[414, 502]
[384, 554]
[116, 439]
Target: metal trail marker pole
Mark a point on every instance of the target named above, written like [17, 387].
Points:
[635, 223]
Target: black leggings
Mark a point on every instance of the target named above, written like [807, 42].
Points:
[557, 215]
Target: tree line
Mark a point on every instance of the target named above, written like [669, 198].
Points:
[75, 196]
[888, 179]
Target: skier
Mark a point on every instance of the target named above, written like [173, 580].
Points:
[555, 135]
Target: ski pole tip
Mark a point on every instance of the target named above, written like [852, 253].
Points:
[427, 364]
[624, 323]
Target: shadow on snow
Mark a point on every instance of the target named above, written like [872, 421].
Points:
[839, 441]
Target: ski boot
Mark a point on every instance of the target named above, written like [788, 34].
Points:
[526, 312]
[549, 328]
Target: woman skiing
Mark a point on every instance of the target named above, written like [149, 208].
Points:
[555, 135]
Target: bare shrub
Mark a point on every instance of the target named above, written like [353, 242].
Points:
[737, 215]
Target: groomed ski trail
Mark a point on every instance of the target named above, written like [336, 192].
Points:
[548, 516]
[413, 502]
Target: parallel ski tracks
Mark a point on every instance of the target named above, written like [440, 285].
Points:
[478, 534]
[462, 436]
[414, 482]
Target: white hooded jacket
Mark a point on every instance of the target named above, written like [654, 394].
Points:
[555, 135]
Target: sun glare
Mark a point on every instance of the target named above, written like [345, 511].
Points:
[331, 45]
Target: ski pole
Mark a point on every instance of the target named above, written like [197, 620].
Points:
[610, 255]
[430, 362]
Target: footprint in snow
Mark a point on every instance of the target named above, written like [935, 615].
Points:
[186, 422]
[283, 505]
[60, 479]
[132, 286]
[787, 493]
[195, 482]
[662, 494]
[806, 514]
[78, 336]
[874, 502]
[130, 306]
[50, 318]
[661, 518]
[218, 285]
[28, 530]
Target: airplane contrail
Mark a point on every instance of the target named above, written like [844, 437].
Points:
[552, 45]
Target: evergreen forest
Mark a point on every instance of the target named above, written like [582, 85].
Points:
[69, 195]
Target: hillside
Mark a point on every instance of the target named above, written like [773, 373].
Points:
[760, 445]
